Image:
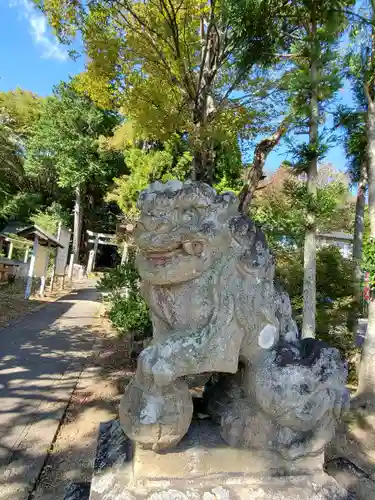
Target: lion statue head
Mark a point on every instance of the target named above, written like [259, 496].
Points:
[182, 229]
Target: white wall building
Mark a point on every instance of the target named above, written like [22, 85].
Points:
[339, 239]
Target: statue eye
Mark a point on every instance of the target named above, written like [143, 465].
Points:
[189, 215]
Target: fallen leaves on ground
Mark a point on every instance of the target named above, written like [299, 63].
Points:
[13, 304]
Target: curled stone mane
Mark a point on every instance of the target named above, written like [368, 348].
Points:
[174, 194]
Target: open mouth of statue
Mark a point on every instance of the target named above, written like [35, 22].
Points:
[161, 256]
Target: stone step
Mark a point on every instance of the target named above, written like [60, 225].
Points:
[201, 467]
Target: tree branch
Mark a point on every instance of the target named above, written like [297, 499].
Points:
[206, 40]
[254, 173]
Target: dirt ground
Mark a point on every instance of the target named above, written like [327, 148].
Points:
[95, 400]
[13, 305]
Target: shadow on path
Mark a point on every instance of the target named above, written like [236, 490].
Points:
[41, 358]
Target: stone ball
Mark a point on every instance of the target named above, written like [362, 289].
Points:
[156, 417]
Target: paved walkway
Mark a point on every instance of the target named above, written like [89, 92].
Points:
[41, 358]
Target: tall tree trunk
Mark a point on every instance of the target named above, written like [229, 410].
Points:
[255, 172]
[204, 105]
[358, 231]
[309, 258]
[366, 376]
[203, 147]
[78, 218]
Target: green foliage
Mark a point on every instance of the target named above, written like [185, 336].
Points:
[170, 66]
[228, 168]
[319, 28]
[128, 311]
[130, 315]
[20, 192]
[66, 139]
[50, 219]
[20, 205]
[334, 289]
[145, 166]
[353, 124]
[19, 247]
[24, 107]
[281, 210]
[167, 161]
[66, 151]
[368, 263]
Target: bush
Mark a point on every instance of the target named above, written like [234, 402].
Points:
[128, 311]
[334, 294]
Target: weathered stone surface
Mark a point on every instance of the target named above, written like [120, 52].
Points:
[354, 480]
[77, 491]
[203, 467]
[355, 442]
[114, 448]
[299, 488]
[208, 278]
[157, 417]
[294, 393]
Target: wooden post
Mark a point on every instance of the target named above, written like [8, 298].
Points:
[55, 260]
[96, 244]
[26, 258]
[90, 263]
[53, 272]
[44, 277]
[31, 268]
[10, 250]
[77, 224]
[70, 270]
[124, 256]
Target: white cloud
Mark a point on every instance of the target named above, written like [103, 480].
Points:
[51, 49]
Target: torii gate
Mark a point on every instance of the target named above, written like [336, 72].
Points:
[103, 239]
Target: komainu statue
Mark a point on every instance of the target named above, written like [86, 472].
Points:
[208, 278]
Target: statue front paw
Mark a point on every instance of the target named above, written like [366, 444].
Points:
[163, 373]
[146, 361]
[154, 369]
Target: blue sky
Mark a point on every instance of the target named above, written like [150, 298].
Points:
[31, 58]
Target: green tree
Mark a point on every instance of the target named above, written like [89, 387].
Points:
[353, 123]
[312, 84]
[50, 218]
[21, 192]
[362, 67]
[334, 296]
[66, 141]
[24, 107]
[145, 167]
[282, 206]
[128, 310]
[307, 71]
[170, 66]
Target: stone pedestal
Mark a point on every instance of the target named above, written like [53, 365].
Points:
[202, 467]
